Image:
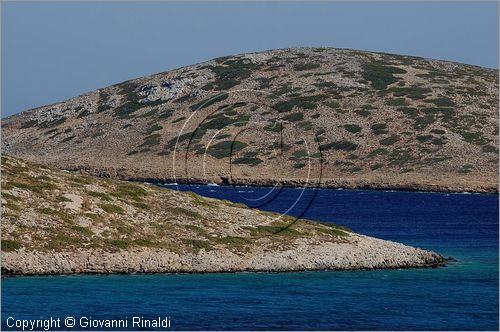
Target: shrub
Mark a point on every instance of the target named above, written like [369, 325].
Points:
[438, 131]
[441, 102]
[410, 111]
[83, 114]
[446, 113]
[340, 145]
[179, 119]
[412, 92]
[390, 140]
[67, 139]
[465, 169]
[422, 122]
[489, 148]
[300, 154]
[298, 165]
[183, 98]
[100, 195]
[396, 102]
[153, 128]
[356, 169]
[219, 122]
[294, 117]
[306, 125]
[379, 128]
[209, 101]
[305, 102]
[197, 245]
[380, 75]
[474, 137]
[185, 212]
[111, 208]
[424, 138]
[223, 149]
[332, 104]
[120, 243]
[29, 124]
[53, 123]
[34, 185]
[352, 128]
[363, 113]
[439, 141]
[150, 140]
[129, 190]
[10, 245]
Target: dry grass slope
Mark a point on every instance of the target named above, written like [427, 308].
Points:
[49, 210]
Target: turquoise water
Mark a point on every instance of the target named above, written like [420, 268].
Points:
[461, 296]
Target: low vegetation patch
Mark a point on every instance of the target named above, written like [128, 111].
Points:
[10, 245]
[390, 140]
[380, 75]
[294, 117]
[352, 128]
[209, 101]
[340, 145]
[306, 66]
[225, 148]
[111, 208]
[379, 128]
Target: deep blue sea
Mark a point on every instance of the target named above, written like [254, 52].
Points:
[462, 296]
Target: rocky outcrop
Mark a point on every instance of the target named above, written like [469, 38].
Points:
[363, 253]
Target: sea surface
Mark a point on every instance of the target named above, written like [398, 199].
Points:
[461, 296]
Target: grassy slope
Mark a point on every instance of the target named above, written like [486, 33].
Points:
[45, 209]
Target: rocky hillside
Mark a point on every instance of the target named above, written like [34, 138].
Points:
[56, 222]
[340, 117]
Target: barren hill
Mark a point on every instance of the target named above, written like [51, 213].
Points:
[342, 118]
[56, 222]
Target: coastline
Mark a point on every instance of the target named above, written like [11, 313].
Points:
[360, 253]
[327, 184]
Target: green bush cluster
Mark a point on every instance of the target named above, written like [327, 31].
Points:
[412, 92]
[390, 140]
[352, 128]
[380, 74]
[209, 101]
[339, 145]
[10, 245]
[225, 148]
[305, 102]
[379, 128]
[294, 117]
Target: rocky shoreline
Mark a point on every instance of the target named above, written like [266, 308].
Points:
[360, 253]
[326, 183]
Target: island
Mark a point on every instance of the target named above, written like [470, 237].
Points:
[328, 117]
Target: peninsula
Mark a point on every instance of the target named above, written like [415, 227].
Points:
[56, 222]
